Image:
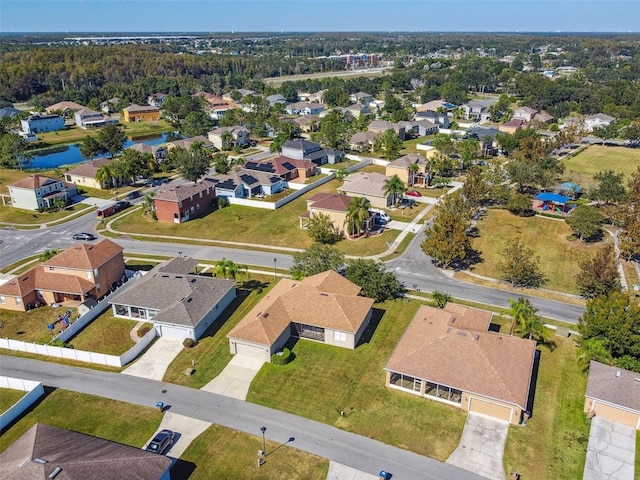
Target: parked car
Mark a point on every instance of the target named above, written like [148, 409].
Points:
[383, 475]
[121, 205]
[133, 195]
[84, 236]
[413, 193]
[161, 442]
[407, 201]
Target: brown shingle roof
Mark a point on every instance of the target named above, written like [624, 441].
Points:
[407, 160]
[33, 181]
[365, 183]
[89, 169]
[133, 108]
[337, 202]
[486, 363]
[65, 105]
[325, 300]
[145, 148]
[604, 384]
[468, 318]
[43, 448]
[178, 193]
[85, 256]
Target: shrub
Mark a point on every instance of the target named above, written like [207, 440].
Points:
[282, 358]
[189, 342]
[222, 202]
[143, 330]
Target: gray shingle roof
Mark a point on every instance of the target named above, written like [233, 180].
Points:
[604, 384]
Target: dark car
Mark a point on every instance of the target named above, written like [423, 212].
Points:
[133, 195]
[161, 442]
[119, 206]
[84, 236]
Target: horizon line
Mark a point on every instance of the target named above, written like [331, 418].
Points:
[285, 32]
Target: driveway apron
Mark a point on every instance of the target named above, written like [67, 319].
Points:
[234, 381]
[186, 430]
[611, 451]
[154, 362]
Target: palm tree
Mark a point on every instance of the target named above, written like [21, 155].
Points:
[357, 215]
[229, 269]
[104, 176]
[525, 322]
[395, 188]
[227, 140]
[414, 168]
[148, 203]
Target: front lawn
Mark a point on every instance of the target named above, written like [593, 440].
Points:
[8, 397]
[554, 442]
[323, 381]
[31, 326]
[232, 454]
[106, 334]
[9, 214]
[598, 158]
[559, 256]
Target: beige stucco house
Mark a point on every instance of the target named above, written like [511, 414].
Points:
[450, 356]
[325, 308]
[404, 168]
[369, 185]
[334, 205]
[85, 173]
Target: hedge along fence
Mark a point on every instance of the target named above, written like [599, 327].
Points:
[34, 391]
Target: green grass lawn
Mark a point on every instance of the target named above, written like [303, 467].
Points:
[116, 421]
[598, 158]
[9, 214]
[232, 454]
[106, 334]
[554, 442]
[31, 326]
[8, 397]
[547, 237]
[324, 380]
[75, 134]
[410, 146]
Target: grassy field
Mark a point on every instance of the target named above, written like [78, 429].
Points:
[558, 256]
[8, 397]
[31, 326]
[554, 442]
[252, 225]
[323, 380]
[598, 158]
[117, 421]
[8, 214]
[232, 454]
[76, 134]
[410, 146]
[106, 334]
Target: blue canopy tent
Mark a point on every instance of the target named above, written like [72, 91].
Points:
[550, 201]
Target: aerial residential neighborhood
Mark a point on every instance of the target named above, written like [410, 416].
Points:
[319, 255]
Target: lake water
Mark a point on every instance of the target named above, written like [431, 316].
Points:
[71, 155]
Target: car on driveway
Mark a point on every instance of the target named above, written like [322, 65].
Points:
[413, 193]
[161, 442]
[133, 195]
[121, 205]
[84, 236]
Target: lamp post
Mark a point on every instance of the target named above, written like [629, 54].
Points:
[264, 445]
[275, 262]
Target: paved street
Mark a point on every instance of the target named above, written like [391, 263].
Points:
[355, 451]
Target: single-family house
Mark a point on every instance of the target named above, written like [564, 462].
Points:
[180, 304]
[412, 169]
[369, 185]
[363, 141]
[78, 273]
[333, 205]
[307, 123]
[215, 105]
[157, 100]
[288, 169]
[613, 393]
[381, 126]
[512, 126]
[306, 150]
[357, 109]
[181, 203]
[85, 174]
[478, 110]
[304, 108]
[325, 308]
[435, 106]
[87, 118]
[597, 120]
[315, 97]
[450, 356]
[110, 106]
[276, 98]
[525, 114]
[65, 107]
[242, 91]
[45, 452]
[223, 138]
[140, 113]
[157, 152]
[186, 143]
[42, 123]
[9, 112]
[247, 184]
[440, 119]
[419, 128]
[361, 97]
[37, 191]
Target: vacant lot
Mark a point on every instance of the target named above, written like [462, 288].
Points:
[8, 397]
[323, 380]
[31, 326]
[598, 158]
[554, 442]
[547, 237]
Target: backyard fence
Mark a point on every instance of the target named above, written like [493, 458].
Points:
[34, 391]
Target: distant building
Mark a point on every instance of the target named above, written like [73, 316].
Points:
[42, 123]
[305, 150]
[87, 118]
[37, 191]
[137, 113]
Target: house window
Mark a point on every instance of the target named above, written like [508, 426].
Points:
[52, 269]
[95, 273]
[18, 301]
[97, 287]
[339, 336]
[89, 275]
[3, 299]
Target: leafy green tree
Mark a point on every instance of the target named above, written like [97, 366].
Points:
[195, 123]
[336, 96]
[221, 163]
[112, 139]
[586, 222]
[317, 258]
[357, 214]
[148, 205]
[90, 148]
[394, 187]
[388, 144]
[605, 132]
[48, 254]
[443, 144]
[468, 149]
[520, 266]
[191, 164]
[610, 187]
[593, 349]
[375, 280]
[476, 188]
[440, 299]
[13, 151]
[447, 242]
[131, 165]
[322, 230]
[289, 91]
[519, 204]
[230, 270]
[599, 273]
[333, 131]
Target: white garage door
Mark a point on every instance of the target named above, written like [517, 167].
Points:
[251, 351]
[172, 331]
[490, 409]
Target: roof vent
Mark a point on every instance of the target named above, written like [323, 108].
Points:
[265, 315]
[55, 472]
[477, 337]
[41, 461]
[453, 319]
[618, 373]
[259, 313]
[178, 277]
[324, 295]
[461, 333]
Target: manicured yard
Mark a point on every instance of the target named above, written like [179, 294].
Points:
[598, 158]
[232, 454]
[106, 334]
[31, 326]
[324, 380]
[117, 421]
[558, 256]
[8, 214]
[410, 146]
[8, 397]
[12, 175]
[554, 442]
[76, 134]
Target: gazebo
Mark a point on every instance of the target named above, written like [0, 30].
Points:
[553, 203]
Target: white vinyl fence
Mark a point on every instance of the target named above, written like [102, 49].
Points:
[34, 391]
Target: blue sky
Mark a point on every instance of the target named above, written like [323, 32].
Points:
[319, 15]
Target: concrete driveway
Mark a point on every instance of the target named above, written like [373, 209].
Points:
[235, 379]
[154, 362]
[337, 471]
[186, 430]
[611, 451]
[481, 446]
